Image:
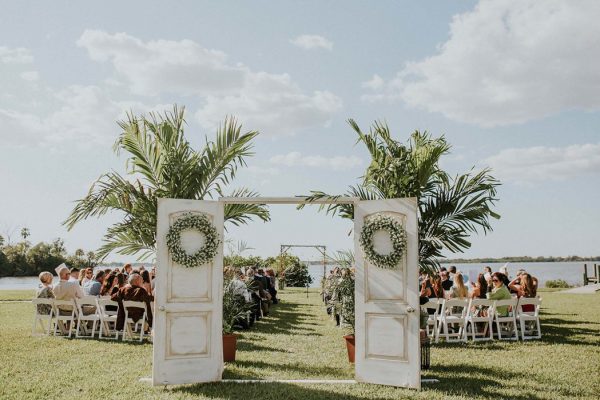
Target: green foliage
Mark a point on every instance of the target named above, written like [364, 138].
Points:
[238, 261]
[162, 164]
[450, 208]
[235, 306]
[22, 259]
[558, 283]
[296, 275]
[343, 299]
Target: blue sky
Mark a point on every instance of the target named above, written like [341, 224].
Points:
[513, 85]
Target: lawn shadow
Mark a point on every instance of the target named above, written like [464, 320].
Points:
[306, 371]
[476, 381]
[276, 391]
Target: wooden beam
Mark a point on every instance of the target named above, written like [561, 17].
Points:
[286, 200]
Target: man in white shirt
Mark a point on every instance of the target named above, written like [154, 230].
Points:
[65, 289]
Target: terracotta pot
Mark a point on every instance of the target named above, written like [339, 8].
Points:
[229, 346]
[350, 347]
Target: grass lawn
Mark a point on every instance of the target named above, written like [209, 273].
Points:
[299, 341]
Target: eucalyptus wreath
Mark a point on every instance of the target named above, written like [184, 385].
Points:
[202, 224]
[397, 235]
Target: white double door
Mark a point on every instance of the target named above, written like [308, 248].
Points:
[188, 305]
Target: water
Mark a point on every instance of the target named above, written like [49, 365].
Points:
[572, 272]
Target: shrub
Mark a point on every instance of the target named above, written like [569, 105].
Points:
[557, 283]
[297, 276]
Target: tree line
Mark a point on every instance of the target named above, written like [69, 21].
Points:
[26, 259]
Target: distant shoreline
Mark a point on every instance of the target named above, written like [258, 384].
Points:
[519, 260]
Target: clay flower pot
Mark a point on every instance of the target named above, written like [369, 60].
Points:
[229, 346]
[350, 347]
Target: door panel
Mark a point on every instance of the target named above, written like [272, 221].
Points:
[387, 301]
[188, 345]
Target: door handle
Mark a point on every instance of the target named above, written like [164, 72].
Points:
[161, 308]
[409, 309]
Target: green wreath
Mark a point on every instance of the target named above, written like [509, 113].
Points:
[203, 225]
[397, 235]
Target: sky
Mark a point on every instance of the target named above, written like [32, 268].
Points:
[512, 85]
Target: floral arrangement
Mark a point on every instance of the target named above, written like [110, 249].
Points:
[202, 224]
[397, 235]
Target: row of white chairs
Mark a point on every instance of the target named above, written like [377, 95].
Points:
[66, 316]
[457, 319]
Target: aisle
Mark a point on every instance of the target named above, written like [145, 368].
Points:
[296, 341]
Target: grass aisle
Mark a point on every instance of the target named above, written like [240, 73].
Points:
[298, 341]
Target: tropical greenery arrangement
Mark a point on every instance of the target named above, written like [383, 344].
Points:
[235, 306]
[397, 236]
[343, 299]
[202, 224]
[296, 275]
[162, 163]
[450, 208]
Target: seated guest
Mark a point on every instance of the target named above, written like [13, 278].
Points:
[452, 272]
[499, 291]
[133, 291]
[93, 286]
[45, 292]
[108, 284]
[458, 290]
[65, 290]
[270, 274]
[523, 286]
[146, 281]
[479, 288]
[446, 282]
[126, 269]
[74, 275]
[88, 274]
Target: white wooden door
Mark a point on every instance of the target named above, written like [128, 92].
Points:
[387, 302]
[188, 344]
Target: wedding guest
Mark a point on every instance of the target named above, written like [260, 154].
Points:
[479, 288]
[74, 275]
[45, 292]
[270, 274]
[146, 281]
[133, 291]
[87, 276]
[499, 291]
[458, 290]
[108, 284]
[127, 269]
[93, 286]
[523, 286]
[452, 272]
[446, 282]
[65, 290]
[504, 271]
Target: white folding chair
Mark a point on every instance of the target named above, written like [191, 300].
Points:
[479, 312]
[506, 323]
[529, 321]
[453, 314]
[432, 327]
[87, 311]
[40, 317]
[131, 326]
[65, 314]
[107, 318]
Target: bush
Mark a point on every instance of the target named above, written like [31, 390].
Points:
[558, 283]
[297, 275]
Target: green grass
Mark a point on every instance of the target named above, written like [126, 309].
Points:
[12, 295]
[298, 341]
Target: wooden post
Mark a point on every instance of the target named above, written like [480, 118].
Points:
[585, 275]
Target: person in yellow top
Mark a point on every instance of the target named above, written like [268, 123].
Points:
[499, 292]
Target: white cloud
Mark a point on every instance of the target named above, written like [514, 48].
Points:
[271, 103]
[296, 159]
[540, 164]
[18, 55]
[376, 82]
[30, 76]
[309, 42]
[508, 62]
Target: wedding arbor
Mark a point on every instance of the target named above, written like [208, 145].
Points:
[188, 321]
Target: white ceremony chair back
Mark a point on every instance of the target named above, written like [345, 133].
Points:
[433, 305]
[453, 315]
[41, 317]
[507, 323]
[480, 319]
[529, 321]
[108, 318]
[132, 326]
[87, 311]
[65, 313]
